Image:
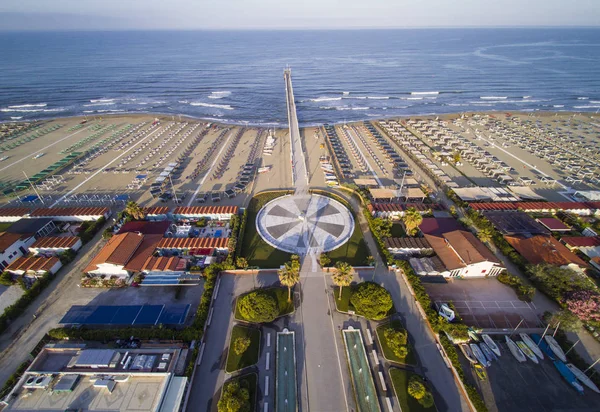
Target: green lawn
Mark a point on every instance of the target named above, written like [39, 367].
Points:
[250, 357]
[410, 359]
[256, 251]
[280, 295]
[398, 230]
[400, 379]
[344, 305]
[355, 251]
[249, 382]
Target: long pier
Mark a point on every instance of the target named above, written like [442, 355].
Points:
[299, 169]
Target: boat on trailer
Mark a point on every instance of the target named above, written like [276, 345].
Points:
[487, 352]
[491, 344]
[555, 347]
[479, 355]
[531, 344]
[466, 350]
[568, 375]
[582, 377]
[514, 349]
[528, 352]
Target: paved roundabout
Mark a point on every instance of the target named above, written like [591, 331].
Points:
[304, 224]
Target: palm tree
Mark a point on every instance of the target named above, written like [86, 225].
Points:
[485, 235]
[412, 219]
[134, 210]
[342, 276]
[289, 275]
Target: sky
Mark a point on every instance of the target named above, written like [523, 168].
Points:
[278, 14]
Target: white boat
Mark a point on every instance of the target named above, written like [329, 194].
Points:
[491, 344]
[582, 377]
[531, 344]
[528, 352]
[555, 347]
[3, 158]
[466, 350]
[487, 352]
[264, 169]
[37, 156]
[479, 355]
[514, 349]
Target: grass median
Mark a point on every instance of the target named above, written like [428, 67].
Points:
[249, 357]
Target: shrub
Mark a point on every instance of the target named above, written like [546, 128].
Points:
[324, 260]
[67, 256]
[241, 263]
[234, 398]
[258, 307]
[416, 388]
[6, 279]
[427, 400]
[397, 340]
[241, 345]
[371, 300]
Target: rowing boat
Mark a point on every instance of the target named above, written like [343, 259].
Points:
[492, 345]
[487, 352]
[528, 352]
[514, 349]
[555, 347]
[466, 350]
[582, 377]
[531, 344]
[568, 375]
[480, 371]
[479, 355]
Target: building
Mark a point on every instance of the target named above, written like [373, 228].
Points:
[17, 238]
[545, 249]
[31, 229]
[72, 214]
[463, 255]
[193, 213]
[34, 267]
[407, 246]
[71, 377]
[553, 224]
[193, 246]
[12, 214]
[589, 246]
[12, 246]
[156, 213]
[55, 245]
[438, 225]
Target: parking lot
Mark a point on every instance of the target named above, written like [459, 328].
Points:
[485, 303]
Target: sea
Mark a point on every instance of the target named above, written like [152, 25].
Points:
[342, 75]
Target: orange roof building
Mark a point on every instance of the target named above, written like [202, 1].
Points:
[72, 214]
[55, 244]
[194, 243]
[211, 212]
[545, 249]
[34, 265]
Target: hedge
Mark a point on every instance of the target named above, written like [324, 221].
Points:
[472, 392]
[88, 230]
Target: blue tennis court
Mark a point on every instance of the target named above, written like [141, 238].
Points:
[141, 315]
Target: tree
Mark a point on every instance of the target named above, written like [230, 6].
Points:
[584, 304]
[241, 262]
[258, 306]
[382, 226]
[557, 282]
[485, 235]
[371, 300]
[241, 345]
[134, 210]
[342, 276]
[427, 400]
[324, 260]
[6, 279]
[396, 341]
[289, 274]
[569, 322]
[412, 219]
[234, 398]
[456, 157]
[416, 388]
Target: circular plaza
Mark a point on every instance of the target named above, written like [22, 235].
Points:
[303, 224]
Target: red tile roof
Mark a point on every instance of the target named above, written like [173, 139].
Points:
[145, 227]
[581, 241]
[118, 250]
[444, 252]
[532, 206]
[205, 210]
[143, 252]
[544, 249]
[196, 243]
[470, 249]
[55, 242]
[33, 263]
[7, 240]
[156, 210]
[437, 226]
[69, 211]
[553, 223]
[161, 264]
[400, 207]
[14, 211]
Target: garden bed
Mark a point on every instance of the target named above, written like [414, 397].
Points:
[400, 378]
[388, 353]
[246, 382]
[236, 362]
[279, 294]
[345, 305]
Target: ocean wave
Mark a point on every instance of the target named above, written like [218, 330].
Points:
[595, 101]
[215, 106]
[183, 101]
[89, 111]
[493, 97]
[325, 99]
[583, 98]
[587, 107]
[414, 98]
[58, 109]
[378, 97]
[16, 117]
[99, 104]
[419, 93]
[526, 97]
[102, 100]
[219, 95]
[24, 106]
[558, 105]
[343, 108]
[345, 93]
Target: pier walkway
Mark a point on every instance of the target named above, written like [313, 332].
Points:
[299, 169]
